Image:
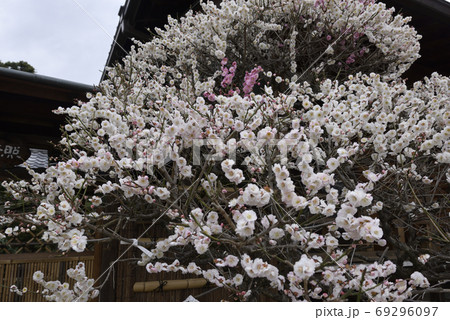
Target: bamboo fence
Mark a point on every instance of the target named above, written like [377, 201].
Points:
[18, 269]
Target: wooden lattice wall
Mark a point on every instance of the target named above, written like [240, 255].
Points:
[31, 242]
[18, 269]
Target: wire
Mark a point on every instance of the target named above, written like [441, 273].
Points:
[98, 24]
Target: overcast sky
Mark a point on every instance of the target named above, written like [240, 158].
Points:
[57, 37]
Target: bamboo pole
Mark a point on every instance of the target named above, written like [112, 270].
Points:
[169, 285]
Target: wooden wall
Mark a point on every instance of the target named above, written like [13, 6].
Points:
[18, 269]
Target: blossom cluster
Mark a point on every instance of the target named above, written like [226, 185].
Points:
[351, 34]
[83, 288]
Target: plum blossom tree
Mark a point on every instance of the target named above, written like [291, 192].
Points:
[276, 141]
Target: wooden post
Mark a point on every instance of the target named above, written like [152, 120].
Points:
[97, 267]
[401, 234]
[108, 255]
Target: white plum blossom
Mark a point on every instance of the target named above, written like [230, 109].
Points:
[254, 196]
[304, 268]
[418, 280]
[276, 233]
[424, 258]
